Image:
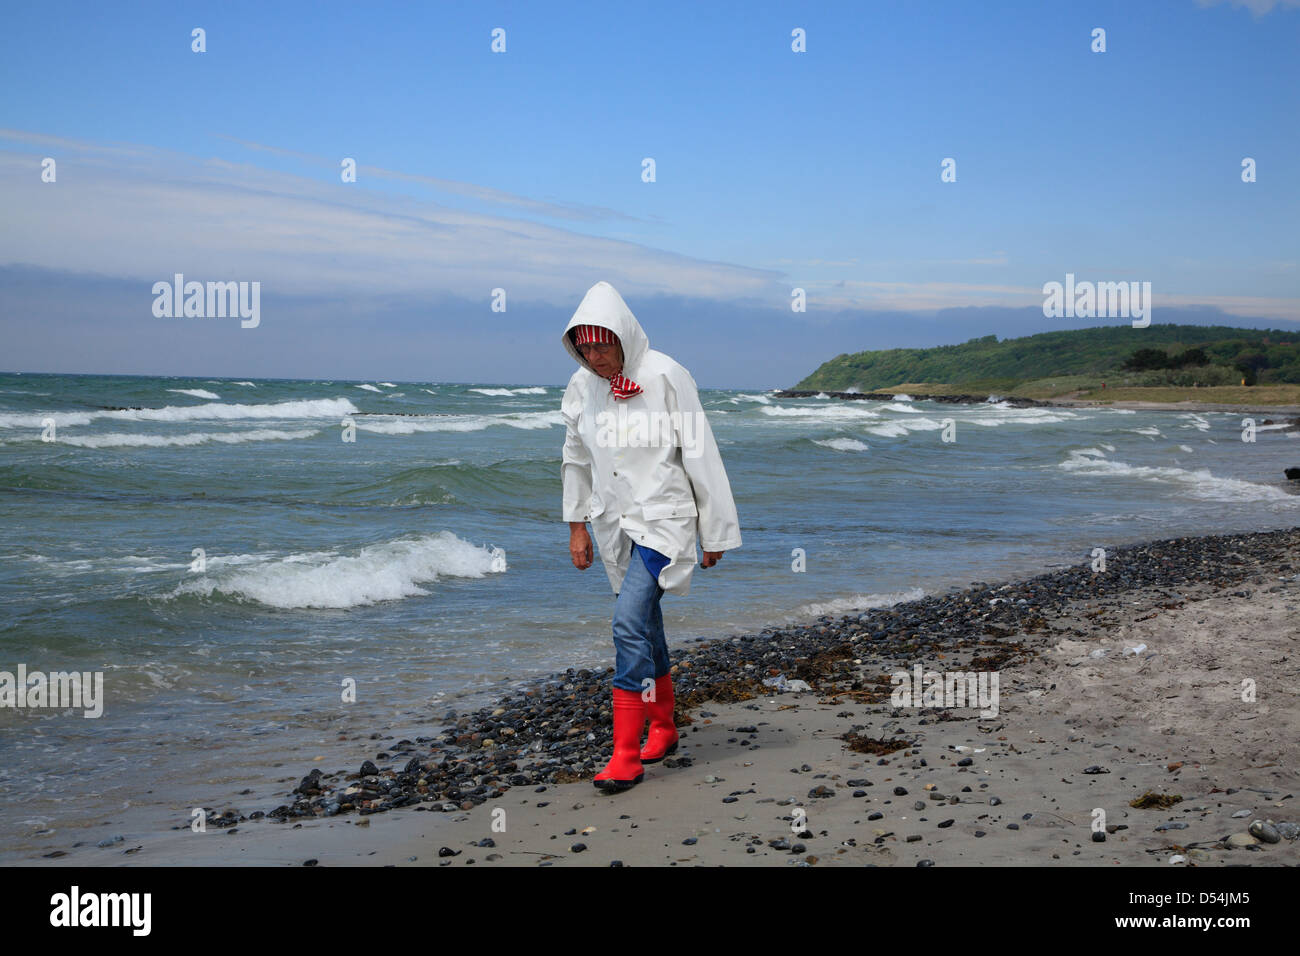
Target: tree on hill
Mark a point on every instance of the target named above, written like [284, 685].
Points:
[1145, 359]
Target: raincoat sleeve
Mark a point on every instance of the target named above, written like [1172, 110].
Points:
[718, 522]
[575, 470]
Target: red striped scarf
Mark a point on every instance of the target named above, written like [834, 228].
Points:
[619, 384]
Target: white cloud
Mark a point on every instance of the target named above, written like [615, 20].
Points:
[142, 212]
[1257, 7]
[129, 211]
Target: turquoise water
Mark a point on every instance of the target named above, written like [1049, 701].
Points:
[426, 560]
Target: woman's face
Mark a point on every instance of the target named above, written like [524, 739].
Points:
[605, 357]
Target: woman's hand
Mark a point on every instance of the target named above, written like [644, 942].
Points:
[711, 558]
[580, 545]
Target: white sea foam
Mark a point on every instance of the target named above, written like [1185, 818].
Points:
[135, 563]
[761, 399]
[214, 411]
[821, 395]
[859, 602]
[131, 563]
[1198, 484]
[900, 428]
[413, 424]
[842, 444]
[196, 392]
[1150, 430]
[1186, 448]
[897, 405]
[429, 390]
[1122, 411]
[820, 413]
[368, 388]
[892, 430]
[506, 392]
[133, 440]
[902, 397]
[995, 416]
[248, 384]
[1197, 422]
[388, 385]
[382, 572]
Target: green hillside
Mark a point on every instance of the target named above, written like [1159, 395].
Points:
[1229, 355]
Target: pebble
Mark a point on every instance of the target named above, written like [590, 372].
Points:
[1265, 832]
[1240, 841]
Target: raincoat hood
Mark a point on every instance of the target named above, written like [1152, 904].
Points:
[603, 306]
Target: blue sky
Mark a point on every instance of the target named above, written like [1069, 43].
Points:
[522, 171]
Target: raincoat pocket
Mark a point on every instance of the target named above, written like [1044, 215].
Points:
[680, 508]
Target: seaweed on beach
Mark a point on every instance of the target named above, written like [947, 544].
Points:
[871, 745]
[823, 664]
[1155, 801]
[724, 692]
[1004, 655]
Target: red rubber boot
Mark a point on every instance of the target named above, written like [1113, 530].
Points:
[662, 738]
[624, 769]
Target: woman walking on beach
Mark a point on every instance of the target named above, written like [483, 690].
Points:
[641, 464]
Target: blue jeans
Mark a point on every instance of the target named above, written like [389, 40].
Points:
[640, 649]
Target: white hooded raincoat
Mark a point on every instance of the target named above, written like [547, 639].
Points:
[656, 479]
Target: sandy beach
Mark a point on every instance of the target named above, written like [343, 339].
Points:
[1082, 729]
